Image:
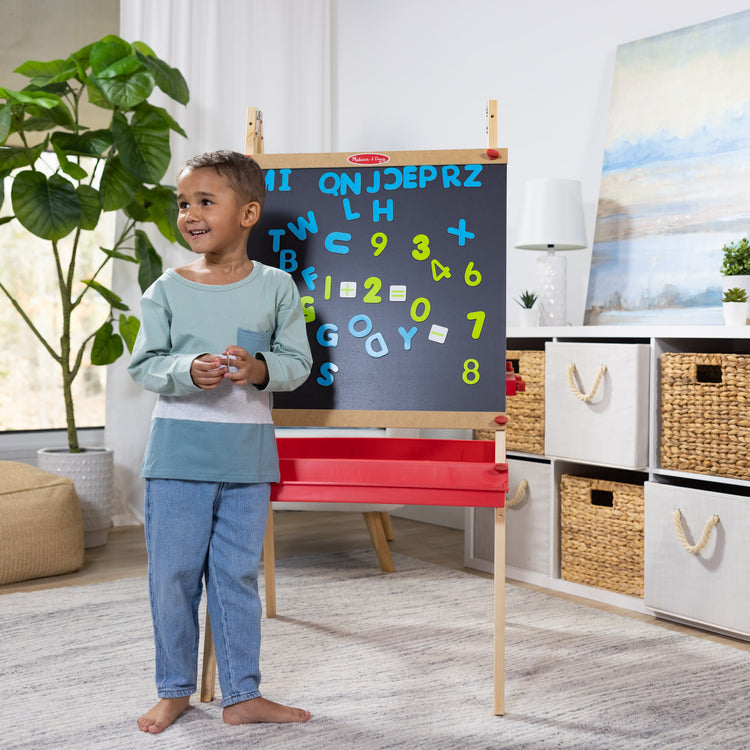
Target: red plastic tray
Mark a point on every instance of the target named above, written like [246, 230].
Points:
[390, 470]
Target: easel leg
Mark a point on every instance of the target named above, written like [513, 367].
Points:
[500, 457]
[208, 679]
[499, 611]
[269, 566]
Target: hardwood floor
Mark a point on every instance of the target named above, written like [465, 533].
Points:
[297, 533]
[300, 533]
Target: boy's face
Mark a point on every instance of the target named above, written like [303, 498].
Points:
[211, 217]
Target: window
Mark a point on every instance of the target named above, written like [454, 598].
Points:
[30, 385]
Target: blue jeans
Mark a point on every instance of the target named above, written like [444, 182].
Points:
[211, 530]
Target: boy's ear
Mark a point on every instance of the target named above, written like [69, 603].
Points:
[250, 214]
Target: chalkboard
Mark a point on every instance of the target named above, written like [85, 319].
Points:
[399, 258]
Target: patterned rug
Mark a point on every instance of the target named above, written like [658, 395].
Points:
[399, 660]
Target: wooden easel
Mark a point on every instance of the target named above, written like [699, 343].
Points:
[254, 145]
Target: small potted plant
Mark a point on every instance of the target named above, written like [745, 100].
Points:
[529, 315]
[734, 304]
[735, 265]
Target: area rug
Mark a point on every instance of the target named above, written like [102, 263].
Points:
[401, 660]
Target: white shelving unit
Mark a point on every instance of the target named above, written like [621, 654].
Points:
[541, 564]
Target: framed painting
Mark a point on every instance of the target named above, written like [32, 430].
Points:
[675, 183]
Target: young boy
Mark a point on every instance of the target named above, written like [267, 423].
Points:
[217, 337]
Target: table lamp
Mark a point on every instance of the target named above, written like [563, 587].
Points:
[552, 220]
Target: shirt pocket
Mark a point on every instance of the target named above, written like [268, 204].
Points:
[254, 341]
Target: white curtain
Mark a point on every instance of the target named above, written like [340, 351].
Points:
[234, 54]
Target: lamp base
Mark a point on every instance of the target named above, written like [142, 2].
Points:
[552, 288]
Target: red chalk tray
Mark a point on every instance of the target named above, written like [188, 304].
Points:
[390, 470]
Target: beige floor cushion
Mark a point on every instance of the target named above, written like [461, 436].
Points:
[41, 529]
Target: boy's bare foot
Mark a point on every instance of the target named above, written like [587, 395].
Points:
[258, 710]
[164, 713]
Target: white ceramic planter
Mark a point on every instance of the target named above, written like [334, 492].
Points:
[735, 313]
[742, 282]
[92, 472]
[528, 317]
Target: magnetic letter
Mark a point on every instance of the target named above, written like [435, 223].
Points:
[325, 338]
[381, 351]
[326, 373]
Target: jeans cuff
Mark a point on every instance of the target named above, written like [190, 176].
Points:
[239, 698]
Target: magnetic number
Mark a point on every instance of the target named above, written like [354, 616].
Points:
[425, 304]
[373, 285]
[439, 271]
[379, 241]
[478, 318]
[472, 277]
[422, 249]
[471, 372]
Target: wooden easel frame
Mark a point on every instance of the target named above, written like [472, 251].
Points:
[253, 146]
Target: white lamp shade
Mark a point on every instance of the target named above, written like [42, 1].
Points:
[552, 216]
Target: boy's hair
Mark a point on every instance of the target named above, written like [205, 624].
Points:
[242, 173]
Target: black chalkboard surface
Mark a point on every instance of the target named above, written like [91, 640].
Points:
[399, 258]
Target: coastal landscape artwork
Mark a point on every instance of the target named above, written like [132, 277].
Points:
[675, 183]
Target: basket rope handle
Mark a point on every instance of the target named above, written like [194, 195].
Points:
[576, 390]
[693, 549]
[518, 496]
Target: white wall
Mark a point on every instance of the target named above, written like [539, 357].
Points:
[409, 74]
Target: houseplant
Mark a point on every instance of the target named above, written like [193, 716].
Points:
[734, 306]
[735, 265]
[529, 315]
[64, 176]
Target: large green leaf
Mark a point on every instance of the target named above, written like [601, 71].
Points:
[136, 211]
[125, 91]
[107, 346]
[142, 144]
[49, 208]
[91, 207]
[41, 98]
[162, 207]
[168, 79]
[14, 157]
[70, 168]
[129, 326]
[117, 186]
[5, 113]
[91, 143]
[46, 118]
[125, 66]
[52, 71]
[163, 115]
[107, 51]
[150, 261]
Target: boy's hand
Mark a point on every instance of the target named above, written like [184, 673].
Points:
[207, 371]
[249, 369]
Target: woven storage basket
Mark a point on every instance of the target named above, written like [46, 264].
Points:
[599, 545]
[705, 413]
[525, 410]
